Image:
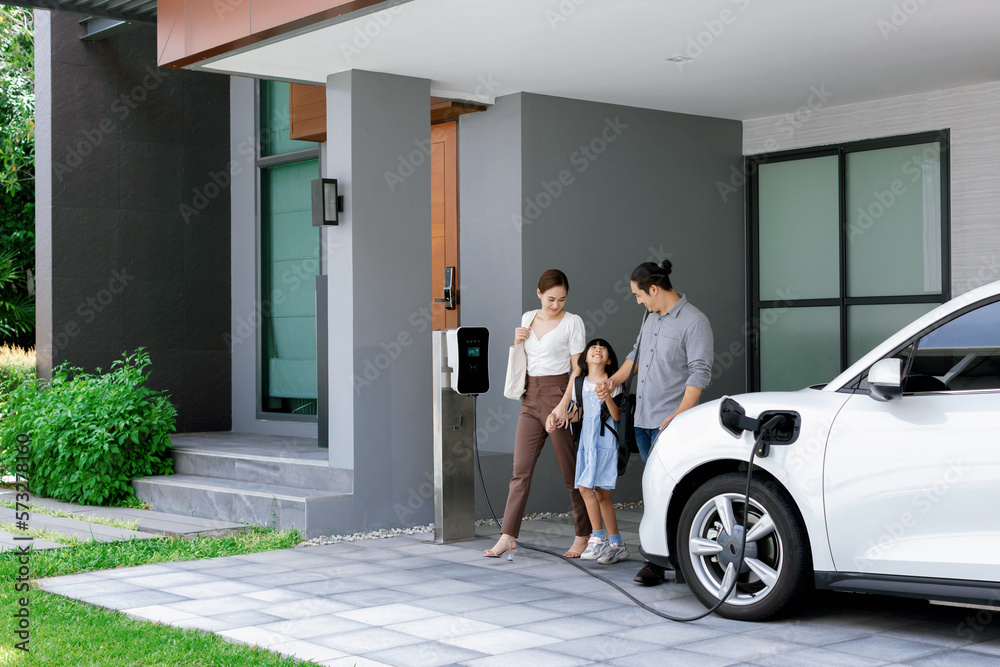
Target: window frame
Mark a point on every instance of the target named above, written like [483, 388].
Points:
[843, 302]
[262, 162]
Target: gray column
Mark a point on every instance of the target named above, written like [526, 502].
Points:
[379, 265]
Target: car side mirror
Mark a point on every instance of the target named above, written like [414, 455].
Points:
[885, 380]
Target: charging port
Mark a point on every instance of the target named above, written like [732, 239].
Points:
[784, 433]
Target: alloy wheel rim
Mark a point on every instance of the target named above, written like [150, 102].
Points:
[714, 547]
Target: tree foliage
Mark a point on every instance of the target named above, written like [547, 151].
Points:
[17, 171]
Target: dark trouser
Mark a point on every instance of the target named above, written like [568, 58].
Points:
[644, 439]
[542, 395]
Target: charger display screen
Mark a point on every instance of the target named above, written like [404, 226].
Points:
[472, 351]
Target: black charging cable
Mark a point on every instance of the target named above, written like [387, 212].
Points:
[767, 427]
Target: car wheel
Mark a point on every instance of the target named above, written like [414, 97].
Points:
[776, 565]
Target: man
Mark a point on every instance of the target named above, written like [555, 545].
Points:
[675, 365]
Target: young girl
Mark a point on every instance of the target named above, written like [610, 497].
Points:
[597, 456]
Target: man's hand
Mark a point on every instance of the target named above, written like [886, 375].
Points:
[601, 389]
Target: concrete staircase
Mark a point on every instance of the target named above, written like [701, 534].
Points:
[273, 481]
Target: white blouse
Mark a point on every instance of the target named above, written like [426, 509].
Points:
[551, 354]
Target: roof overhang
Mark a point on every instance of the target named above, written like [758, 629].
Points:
[748, 59]
[141, 11]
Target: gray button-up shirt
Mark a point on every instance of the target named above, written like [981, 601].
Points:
[677, 350]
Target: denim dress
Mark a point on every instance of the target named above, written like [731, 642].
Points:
[597, 456]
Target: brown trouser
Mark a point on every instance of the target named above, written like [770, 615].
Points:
[542, 395]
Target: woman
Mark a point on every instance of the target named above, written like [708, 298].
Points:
[553, 340]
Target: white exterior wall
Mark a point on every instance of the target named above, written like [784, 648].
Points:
[971, 113]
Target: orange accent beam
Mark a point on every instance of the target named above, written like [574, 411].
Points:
[307, 109]
[190, 31]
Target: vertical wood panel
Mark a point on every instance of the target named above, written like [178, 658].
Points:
[444, 218]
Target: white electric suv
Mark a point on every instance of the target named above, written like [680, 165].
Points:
[882, 481]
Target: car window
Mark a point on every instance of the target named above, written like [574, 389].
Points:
[960, 355]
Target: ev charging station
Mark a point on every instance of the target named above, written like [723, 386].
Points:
[461, 372]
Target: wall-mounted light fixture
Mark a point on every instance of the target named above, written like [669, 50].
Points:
[326, 203]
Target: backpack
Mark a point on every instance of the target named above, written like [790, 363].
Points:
[577, 428]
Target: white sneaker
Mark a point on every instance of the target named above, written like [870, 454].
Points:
[613, 554]
[595, 548]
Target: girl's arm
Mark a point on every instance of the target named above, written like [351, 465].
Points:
[612, 407]
[558, 414]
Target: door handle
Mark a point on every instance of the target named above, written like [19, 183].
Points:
[450, 299]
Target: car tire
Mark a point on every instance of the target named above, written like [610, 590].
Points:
[777, 566]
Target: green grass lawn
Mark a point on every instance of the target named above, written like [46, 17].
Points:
[66, 632]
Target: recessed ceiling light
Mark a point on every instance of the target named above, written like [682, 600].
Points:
[678, 59]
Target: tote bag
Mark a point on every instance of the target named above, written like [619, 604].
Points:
[517, 371]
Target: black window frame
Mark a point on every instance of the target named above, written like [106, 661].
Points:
[843, 302]
[263, 288]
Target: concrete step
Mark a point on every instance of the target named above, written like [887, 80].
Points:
[272, 468]
[83, 530]
[14, 542]
[270, 505]
[147, 521]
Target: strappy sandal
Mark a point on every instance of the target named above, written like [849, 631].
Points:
[573, 553]
[511, 548]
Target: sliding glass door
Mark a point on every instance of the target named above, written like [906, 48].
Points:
[848, 244]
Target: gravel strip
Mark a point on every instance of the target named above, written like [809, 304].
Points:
[380, 534]
[384, 533]
[556, 515]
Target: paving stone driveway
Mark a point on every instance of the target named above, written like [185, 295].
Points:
[407, 601]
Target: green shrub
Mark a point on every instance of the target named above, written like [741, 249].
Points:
[16, 366]
[90, 434]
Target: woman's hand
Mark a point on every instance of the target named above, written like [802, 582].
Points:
[556, 419]
[521, 335]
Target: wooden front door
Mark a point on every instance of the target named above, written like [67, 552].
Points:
[444, 218]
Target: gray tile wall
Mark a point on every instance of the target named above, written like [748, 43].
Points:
[972, 113]
[125, 264]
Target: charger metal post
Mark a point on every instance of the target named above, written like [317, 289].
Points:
[461, 372]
